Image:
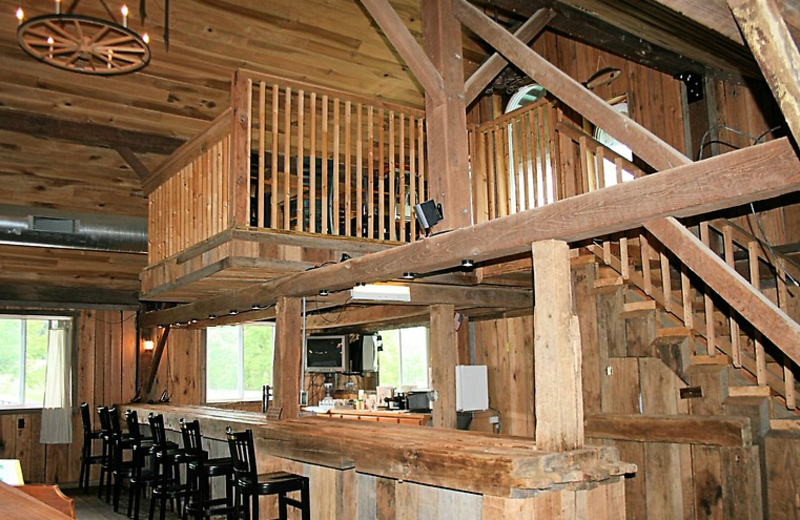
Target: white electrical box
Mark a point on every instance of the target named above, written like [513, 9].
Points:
[472, 388]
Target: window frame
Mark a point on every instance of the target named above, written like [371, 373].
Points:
[400, 355]
[73, 369]
[240, 398]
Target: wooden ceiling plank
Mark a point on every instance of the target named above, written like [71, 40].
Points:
[760, 172]
[489, 70]
[777, 55]
[91, 134]
[404, 43]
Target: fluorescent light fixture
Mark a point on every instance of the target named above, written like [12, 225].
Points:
[381, 292]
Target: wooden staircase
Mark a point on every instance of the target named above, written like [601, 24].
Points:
[688, 311]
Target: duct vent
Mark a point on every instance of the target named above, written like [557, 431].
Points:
[54, 224]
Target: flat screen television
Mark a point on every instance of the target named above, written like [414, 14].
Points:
[326, 353]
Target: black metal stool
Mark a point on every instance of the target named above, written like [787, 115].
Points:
[89, 436]
[250, 485]
[201, 504]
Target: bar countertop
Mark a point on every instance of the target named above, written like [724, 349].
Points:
[499, 465]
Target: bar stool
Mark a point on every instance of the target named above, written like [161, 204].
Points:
[251, 485]
[140, 476]
[106, 458]
[89, 436]
[201, 503]
[168, 460]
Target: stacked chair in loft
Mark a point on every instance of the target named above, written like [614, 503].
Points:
[249, 485]
[88, 459]
[201, 504]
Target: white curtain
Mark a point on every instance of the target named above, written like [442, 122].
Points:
[57, 412]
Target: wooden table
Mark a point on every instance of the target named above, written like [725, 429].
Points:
[14, 503]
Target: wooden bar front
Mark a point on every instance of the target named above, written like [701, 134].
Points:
[367, 470]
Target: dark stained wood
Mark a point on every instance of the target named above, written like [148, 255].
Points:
[443, 351]
[288, 357]
[493, 66]
[43, 296]
[682, 429]
[758, 172]
[90, 134]
[407, 47]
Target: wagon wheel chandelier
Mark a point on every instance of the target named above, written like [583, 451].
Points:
[84, 44]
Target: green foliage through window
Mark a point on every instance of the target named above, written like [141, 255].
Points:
[238, 361]
[404, 360]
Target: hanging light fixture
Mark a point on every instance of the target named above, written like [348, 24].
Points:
[84, 44]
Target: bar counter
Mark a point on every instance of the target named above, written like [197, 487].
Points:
[353, 461]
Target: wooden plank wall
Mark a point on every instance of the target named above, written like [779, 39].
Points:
[191, 206]
[182, 369]
[106, 374]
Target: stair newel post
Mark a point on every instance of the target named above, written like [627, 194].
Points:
[686, 299]
[666, 281]
[239, 178]
[644, 248]
[736, 353]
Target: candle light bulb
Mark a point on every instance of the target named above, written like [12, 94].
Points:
[58, 6]
[146, 38]
[124, 10]
[20, 14]
[50, 40]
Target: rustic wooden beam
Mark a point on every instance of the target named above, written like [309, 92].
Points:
[89, 134]
[759, 172]
[767, 35]
[136, 165]
[288, 357]
[490, 68]
[558, 400]
[683, 429]
[158, 353]
[748, 301]
[84, 297]
[443, 352]
[446, 120]
[367, 317]
[650, 147]
[407, 47]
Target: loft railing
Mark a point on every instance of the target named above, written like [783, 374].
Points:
[327, 162]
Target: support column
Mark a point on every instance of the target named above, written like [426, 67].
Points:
[557, 355]
[443, 353]
[447, 121]
[287, 379]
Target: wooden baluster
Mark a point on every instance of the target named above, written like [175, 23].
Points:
[503, 173]
[755, 280]
[541, 152]
[589, 167]
[370, 199]
[337, 167]
[312, 166]
[600, 156]
[381, 224]
[212, 212]
[624, 260]
[325, 189]
[241, 142]
[528, 143]
[287, 157]
[300, 156]
[666, 281]
[618, 163]
[401, 180]
[488, 147]
[736, 353]
[788, 374]
[515, 137]
[412, 174]
[686, 298]
[392, 200]
[262, 133]
[423, 196]
[552, 180]
[359, 173]
[708, 303]
[646, 275]
[273, 221]
[348, 169]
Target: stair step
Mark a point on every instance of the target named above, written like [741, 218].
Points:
[600, 283]
[710, 360]
[673, 332]
[636, 309]
[749, 391]
[785, 424]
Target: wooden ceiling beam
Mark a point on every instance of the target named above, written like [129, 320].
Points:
[89, 134]
[407, 47]
[489, 70]
[760, 172]
[772, 45]
[136, 165]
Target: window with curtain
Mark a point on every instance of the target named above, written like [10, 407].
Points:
[404, 359]
[239, 361]
[29, 360]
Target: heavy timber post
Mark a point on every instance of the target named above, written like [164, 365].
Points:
[447, 121]
[557, 354]
[443, 359]
[288, 357]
